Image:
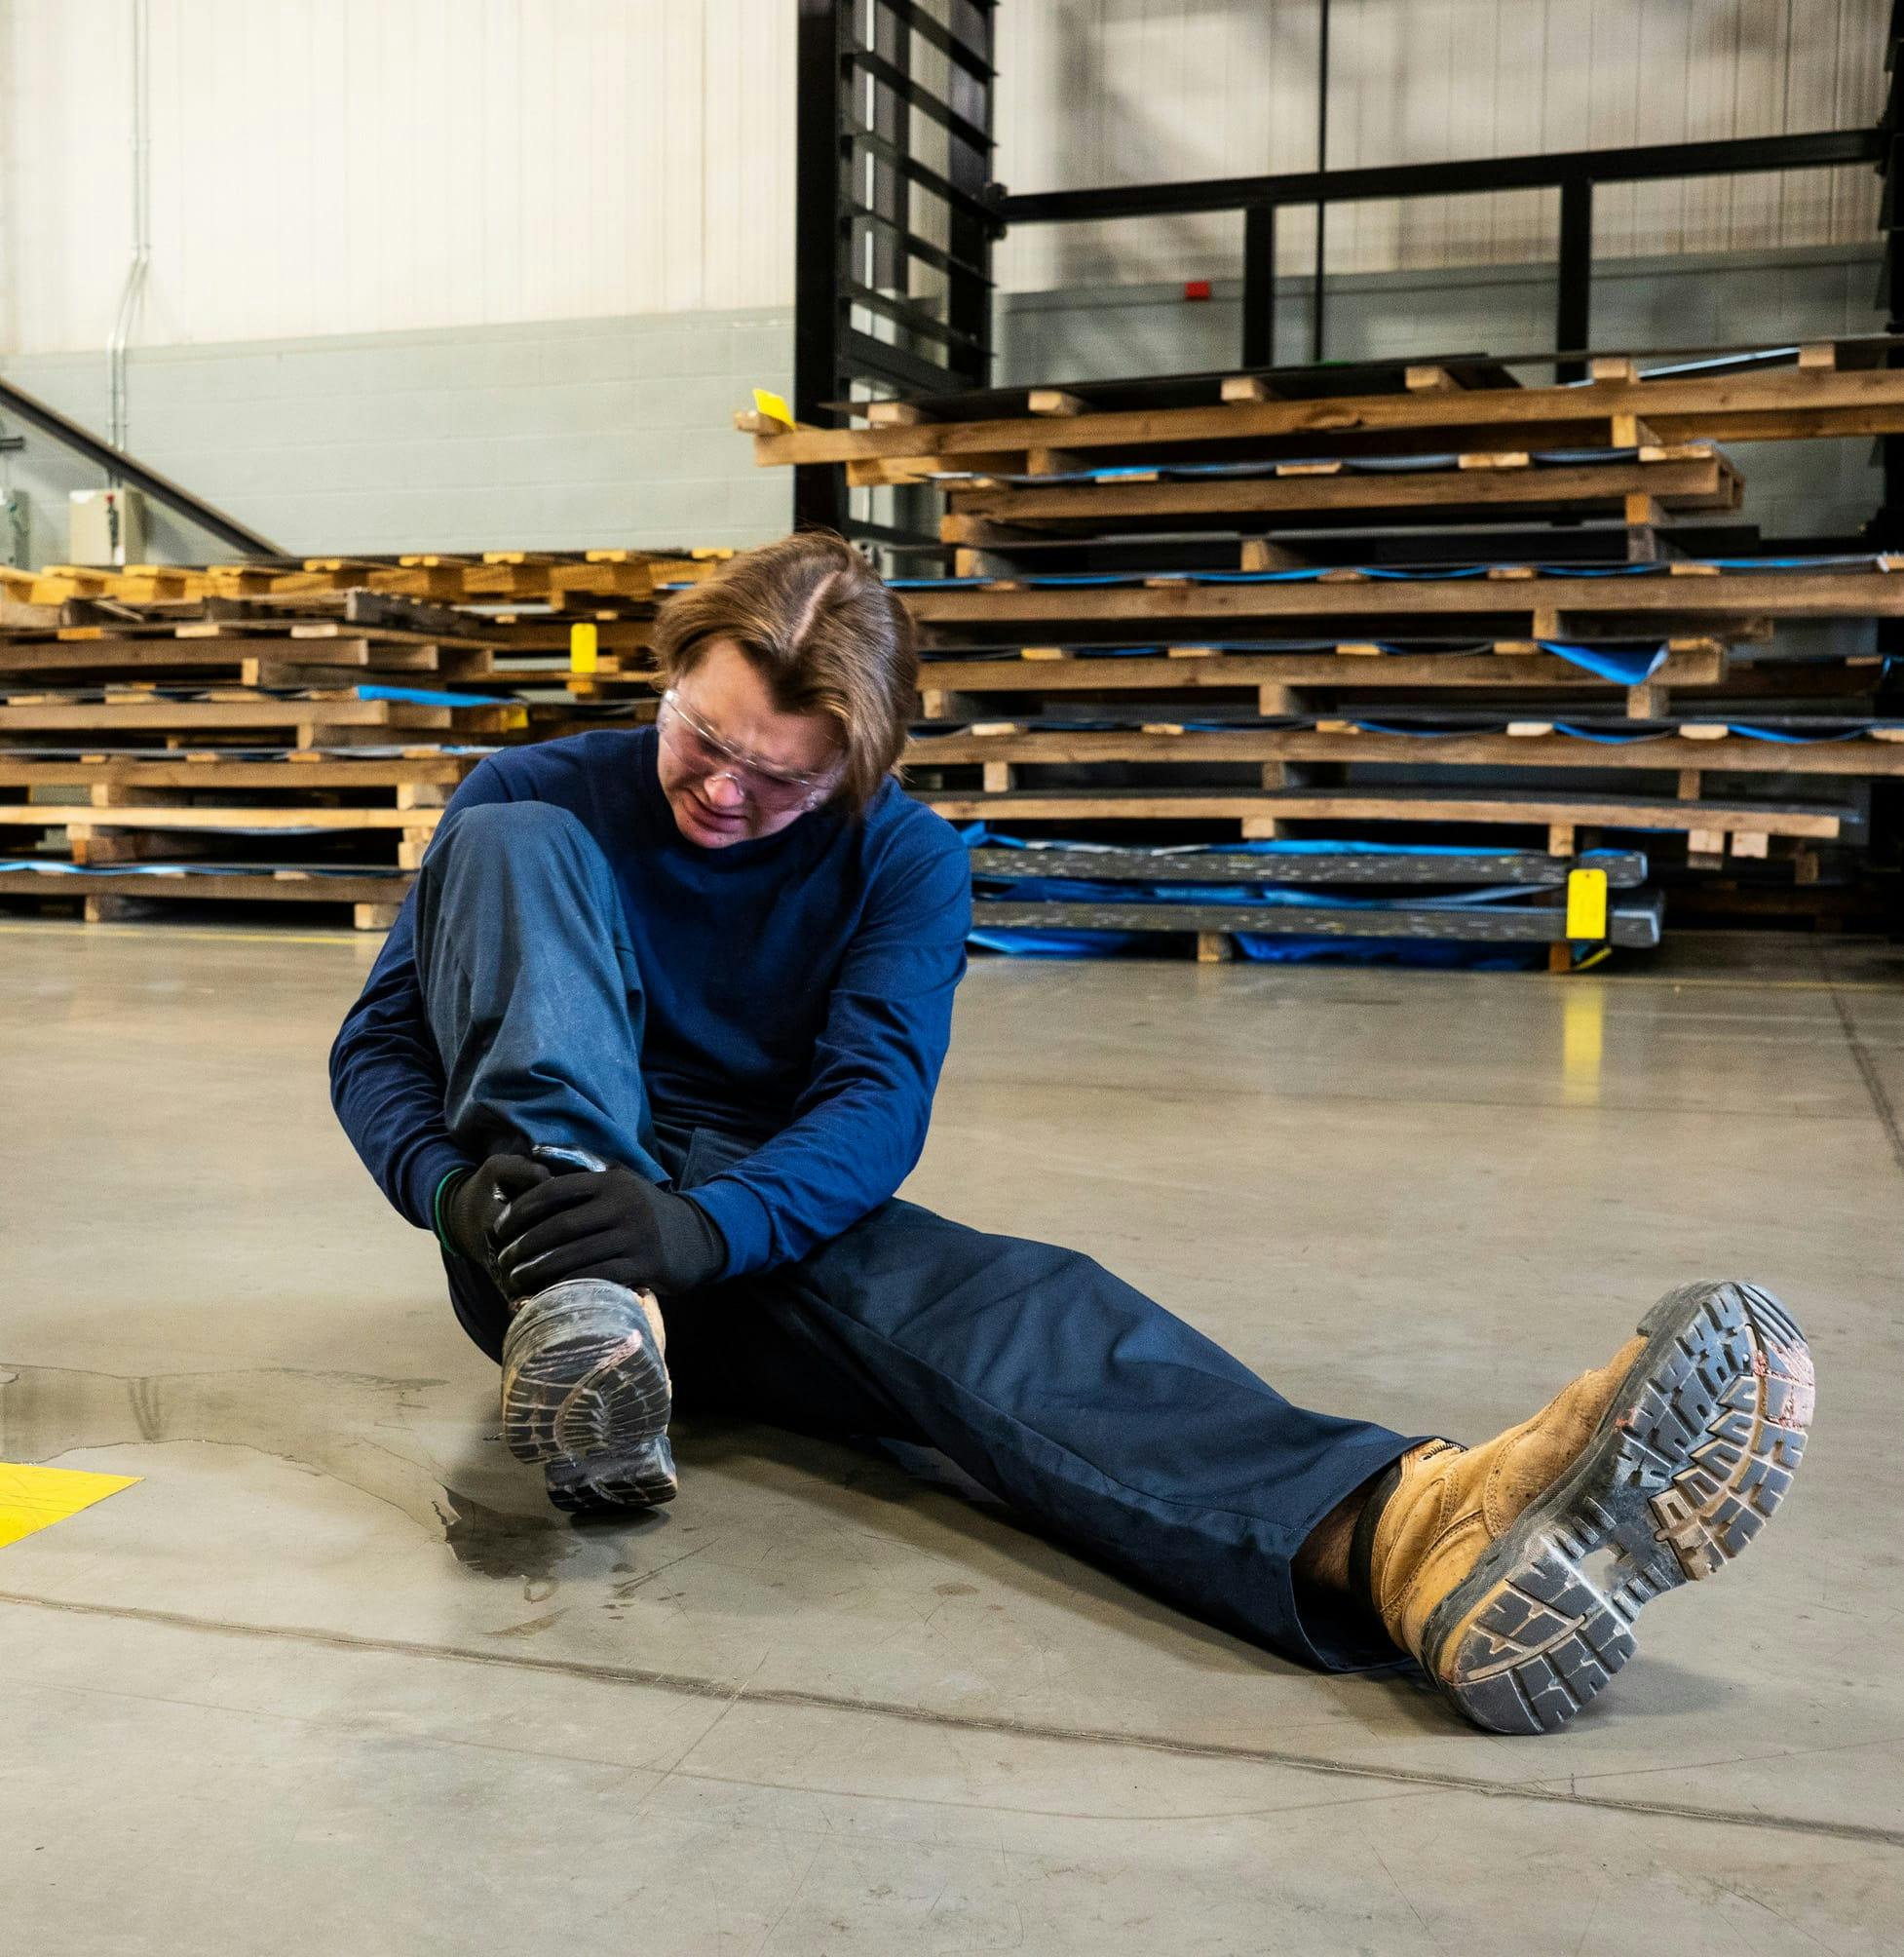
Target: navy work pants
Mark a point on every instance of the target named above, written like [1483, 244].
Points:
[1102, 1419]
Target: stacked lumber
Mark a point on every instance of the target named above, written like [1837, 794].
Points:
[1351, 602]
[216, 746]
[290, 730]
[581, 620]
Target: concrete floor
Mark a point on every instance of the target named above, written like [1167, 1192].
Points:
[334, 1677]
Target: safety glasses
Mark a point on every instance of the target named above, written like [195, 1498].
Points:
[774, 791]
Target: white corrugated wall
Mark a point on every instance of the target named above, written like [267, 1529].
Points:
[365, 166]
[1126, 90]
[360, 166]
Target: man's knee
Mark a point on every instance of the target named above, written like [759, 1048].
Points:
[501, 829]
[492, 846]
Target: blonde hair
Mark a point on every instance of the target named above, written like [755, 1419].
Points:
[819, 627]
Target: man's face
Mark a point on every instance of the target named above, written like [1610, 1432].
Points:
[716, 798]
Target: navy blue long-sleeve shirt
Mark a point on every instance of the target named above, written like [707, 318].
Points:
[799, 996]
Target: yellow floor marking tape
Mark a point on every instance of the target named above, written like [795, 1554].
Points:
[35, 1498]
[1583, 1043]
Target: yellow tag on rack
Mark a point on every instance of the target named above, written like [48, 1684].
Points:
[35, 1498]
[1587, 903]
[583, 643]
[773, 405]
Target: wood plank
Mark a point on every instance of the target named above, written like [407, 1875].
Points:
[57, 815]
[261, 887]
[218, 775]
[1725, 594]
[1778, 404]
[1252, 669]
[1376, 805]
[1703, 485]
[235, 716]
[1546, 749]
[163, 655]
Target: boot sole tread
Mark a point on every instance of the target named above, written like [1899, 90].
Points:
[644, 1481]
[592, 1383]
[1695, 1451]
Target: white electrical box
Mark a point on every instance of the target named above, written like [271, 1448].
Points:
[108, 527]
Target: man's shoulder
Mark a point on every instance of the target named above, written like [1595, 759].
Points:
[911, 856]
[900, 829]
[545, 769]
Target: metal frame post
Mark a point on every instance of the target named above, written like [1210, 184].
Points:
[1574, 301]
[819, 494]
[872, 206]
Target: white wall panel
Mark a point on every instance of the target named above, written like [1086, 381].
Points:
[359, 165]
[1124, 90]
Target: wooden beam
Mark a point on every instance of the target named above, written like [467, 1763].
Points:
[293, 774]
[55, 815]
[1774, 405]
[1698, 485]
[1240, 669]
[1377, 805]
[266, 886]
[1857, 760]
[1722, 595]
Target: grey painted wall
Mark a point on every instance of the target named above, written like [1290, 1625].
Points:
[563, 435]
[618, 432]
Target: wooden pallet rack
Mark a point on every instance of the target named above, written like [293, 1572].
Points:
[289, 731]
[197, 742]
[1641, 485]
[1429, 405]
[1393, 637]
[525, 607]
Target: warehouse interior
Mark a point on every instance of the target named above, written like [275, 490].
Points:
[1401, 510]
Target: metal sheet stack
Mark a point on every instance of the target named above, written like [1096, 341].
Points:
[1352, 603]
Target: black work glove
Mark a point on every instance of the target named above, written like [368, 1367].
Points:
[607, 1223]
[469, 1208]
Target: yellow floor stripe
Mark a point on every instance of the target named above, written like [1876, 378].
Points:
[35, 1498]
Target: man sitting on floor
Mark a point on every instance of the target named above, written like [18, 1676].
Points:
[653, 1042]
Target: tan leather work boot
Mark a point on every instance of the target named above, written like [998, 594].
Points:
[1513, 1570]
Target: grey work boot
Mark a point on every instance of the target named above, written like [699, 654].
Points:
[643, 1478]
[585, 1387]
